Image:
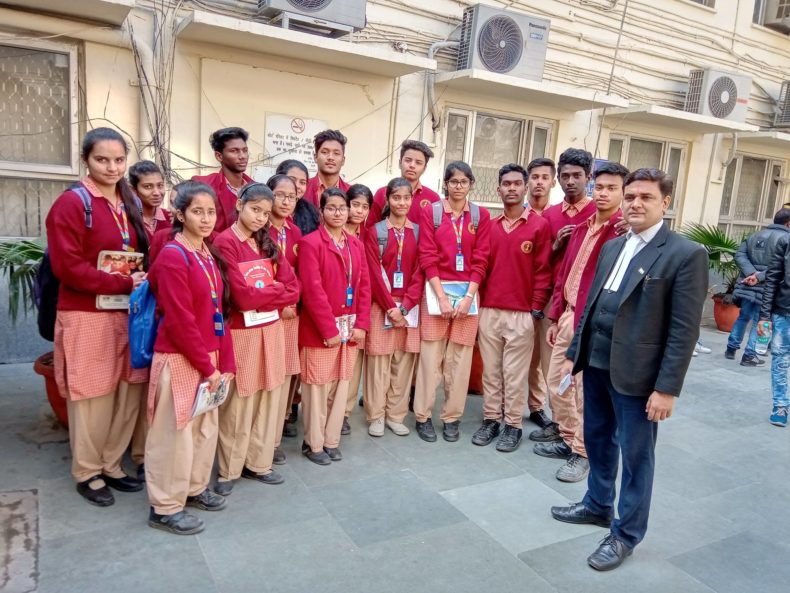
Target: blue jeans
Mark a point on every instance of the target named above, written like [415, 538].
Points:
[750, 312]
[616, 424]
[780, 359]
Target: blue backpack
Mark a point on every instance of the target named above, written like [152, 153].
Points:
[144, 322]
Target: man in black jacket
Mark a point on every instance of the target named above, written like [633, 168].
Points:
[753, 257]
[634, 343]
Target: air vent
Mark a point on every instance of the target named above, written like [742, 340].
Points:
[723, 95]
[333, 18]
[309, 5]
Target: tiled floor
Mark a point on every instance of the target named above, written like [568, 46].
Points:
[401, 515]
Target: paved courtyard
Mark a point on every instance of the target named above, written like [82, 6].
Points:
[399, 515]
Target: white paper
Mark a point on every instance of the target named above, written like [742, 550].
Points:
[253, 318]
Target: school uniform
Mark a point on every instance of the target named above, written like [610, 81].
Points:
[326, 372]
[315, 187]
[359, 361]
[248, 419]
[92, 364]
[179, 450]
[226, 198]
[421, 197]
[518, 282]
[447, 344]
[391, 353]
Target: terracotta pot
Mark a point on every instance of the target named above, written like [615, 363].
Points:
[724, 314]
[45, 366]
[476, 374]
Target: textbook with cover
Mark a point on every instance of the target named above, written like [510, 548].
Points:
[455, 291]
[258, 274]
[345, 326]
[121, 263]
[206, 400]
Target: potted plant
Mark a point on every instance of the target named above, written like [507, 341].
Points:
[19, 261]
[721, 250]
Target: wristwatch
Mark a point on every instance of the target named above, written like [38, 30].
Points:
[403, 310]
[537, 314]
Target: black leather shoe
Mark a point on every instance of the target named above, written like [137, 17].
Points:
[579, 514]
[346, 430]
[319, 458]
[557, 450]
[289, 429]
[546, 435]
[509, 440]
[486, 433]
[272, 477]
[125, 484]
[411, 398]
[610, 554]
[207, 501]
[294, 415]
[361, 403]
[425, 431]
[451, 431]
[224, 488]
[181, 523]
[101, 497]
[279, 457]
[141, 472]
[334, 453]
[539, 417]
[729, 353]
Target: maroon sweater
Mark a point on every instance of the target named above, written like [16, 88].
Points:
[226, 199]
[558, 219]
[421, 198]
[413, 280]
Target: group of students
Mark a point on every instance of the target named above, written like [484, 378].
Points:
[352, 276]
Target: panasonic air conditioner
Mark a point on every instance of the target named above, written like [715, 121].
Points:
[782, 119]
[718, 94]
[777, 15]
[503, 41]
[334, 18]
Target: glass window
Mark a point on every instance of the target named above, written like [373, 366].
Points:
[25, 204]
[673, 168]
[750, 189]
[729, 187]
[540, 141]
[456, 137]
[616, 150]
[644, 153]
[497, 141]
[773, 192]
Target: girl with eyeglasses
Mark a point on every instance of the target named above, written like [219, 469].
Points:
[305, 215]
[335, 318]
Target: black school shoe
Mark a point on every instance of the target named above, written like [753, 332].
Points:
[451, 431]
[101, 497]
[610, 554]
[487, 432]
[539, 417]
[426, 431]
[334, 453]
[224, 488]
[279, 457]
[141, 472]
[319, 458]
[509, 440]
[271, 477]
[124, 484]
[289, 429]
[181, 523]
[346, 429]
[207, 501]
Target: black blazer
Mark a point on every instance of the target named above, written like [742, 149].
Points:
[657, 322]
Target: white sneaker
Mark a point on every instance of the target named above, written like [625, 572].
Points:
[701, 349]
[376, 428]
[398, 428]
[694, 353]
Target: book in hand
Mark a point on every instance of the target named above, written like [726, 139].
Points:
[455, 291]
[412, 317]
[206, 400]
[121, 263]
[258, 274]
[345, 326]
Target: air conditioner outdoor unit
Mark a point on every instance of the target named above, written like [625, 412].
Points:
[503, 41]
[332, 17]
[718, 94]
[777, 15]
[782, 119]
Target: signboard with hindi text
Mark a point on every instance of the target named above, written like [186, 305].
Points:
[291, 137]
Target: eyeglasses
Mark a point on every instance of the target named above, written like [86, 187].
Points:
[278, 195]
[459, 183]
[335, 210]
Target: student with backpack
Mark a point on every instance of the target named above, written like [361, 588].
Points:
[193, 346]
[393, 343]
[454, 235]
[335, 318]
[261, 280]
[92, 365]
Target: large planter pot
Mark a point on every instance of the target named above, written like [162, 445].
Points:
[724, 313]
[45, 366]
[476, 374]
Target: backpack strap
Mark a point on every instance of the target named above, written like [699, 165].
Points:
[437, 214]
[382, 236]
[474, 209]
[416, 232]
[138, 202]
[183, 253]
[87, 204]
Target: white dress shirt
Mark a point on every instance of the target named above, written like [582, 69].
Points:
[634, 243]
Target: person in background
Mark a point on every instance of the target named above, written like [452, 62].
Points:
[330, 156]
[541, 179]
[304, 214]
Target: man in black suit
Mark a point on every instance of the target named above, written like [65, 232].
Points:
[634, 343]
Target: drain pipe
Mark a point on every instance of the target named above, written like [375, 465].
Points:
[430, 77]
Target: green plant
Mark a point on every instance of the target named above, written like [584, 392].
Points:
[18, 264]
[721, 250]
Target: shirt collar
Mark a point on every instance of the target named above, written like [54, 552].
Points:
[160, 214]
[648, 234]
[579, 206]
[446, 205]
[408, 225]
[93, 189]
[524, 216]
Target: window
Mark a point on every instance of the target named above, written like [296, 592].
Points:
[772, 13]
[668, 156]
[487, 141]
[708, 3]
[752, 194]
[38, 143]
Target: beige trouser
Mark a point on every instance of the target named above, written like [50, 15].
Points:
[356, 379]
[539, 366]
[289, 389]
[387, 385]
[247, 431]
[100, 429]
[442, 358]
[323, 407]
[567, 409]
[177, 462]
[140, 428]
[506, 340]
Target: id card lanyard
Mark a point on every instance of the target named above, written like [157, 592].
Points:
[349, 272]
[282, 240]
[219, 322]
[459, 233]
[123, 226]
[397, 277]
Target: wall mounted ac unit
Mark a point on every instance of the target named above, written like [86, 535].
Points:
[503, 41]
[718, 94]
[331, 17]
[782, 119]
[777, 15]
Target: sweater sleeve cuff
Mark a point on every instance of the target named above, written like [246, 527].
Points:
[431, 272]
[476, 277]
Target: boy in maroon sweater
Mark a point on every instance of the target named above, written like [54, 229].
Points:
[516, 290]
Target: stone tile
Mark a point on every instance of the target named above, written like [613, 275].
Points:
[689, 476]
[516, 512]
[19, 526]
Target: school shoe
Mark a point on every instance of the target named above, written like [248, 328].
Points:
[729, 353]
[294, 415]
[399, 428]
[751, 361]
[334, 453]
[451, 431]
[557, 450]
[546, 435]
[361, 403]
[702, 349]
[376, 428]
[101, 497]
[539, 417]
[289, 429]
[574, 470]
[487, 432]
[319, 458]
[124, 484]
[346, 430]
[411, 398]
[207, 501]
[610, 554]
[509, 440]
[141, 472]
[425, 431]
[279, 457]
[271, 477]
[224, 488]
[580, 515]
[779, 416]
[181, 523]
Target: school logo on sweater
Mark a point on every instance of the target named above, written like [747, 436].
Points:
[296, 249]
[471, 228]
[424, 203]
[526, 247]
